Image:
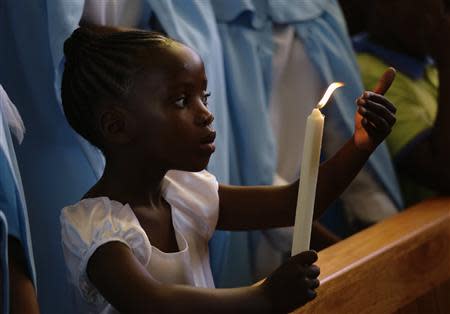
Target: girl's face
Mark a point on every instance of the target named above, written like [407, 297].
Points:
[172, 118]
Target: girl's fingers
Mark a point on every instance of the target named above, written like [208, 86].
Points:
[311, 294]
[313, 271]
[379, 110]
[385, 81]
[380, 124]
[380, 99]
[304, 258]
[313, 283]
[372, 130]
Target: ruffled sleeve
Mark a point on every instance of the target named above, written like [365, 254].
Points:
[195, 197]
[88, 225]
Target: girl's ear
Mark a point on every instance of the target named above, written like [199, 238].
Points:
[117, 125]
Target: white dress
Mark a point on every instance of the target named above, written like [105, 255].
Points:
[92, 222]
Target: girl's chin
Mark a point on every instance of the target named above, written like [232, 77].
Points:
[197, 166]
[200, 167]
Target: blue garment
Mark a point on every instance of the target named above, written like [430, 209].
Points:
[12, 201]
[247, 53]
[246, 35]
[63, 20]
[4, 271]
[54, 169]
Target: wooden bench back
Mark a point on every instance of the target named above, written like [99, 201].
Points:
[399, 265]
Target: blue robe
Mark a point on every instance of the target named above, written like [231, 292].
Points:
[247, 51]
[54, 168]
[12, 205]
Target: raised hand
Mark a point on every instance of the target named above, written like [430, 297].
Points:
[375, 115]
[293, 284]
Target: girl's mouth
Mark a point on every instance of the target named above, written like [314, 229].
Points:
[207, 143]
[209, 138]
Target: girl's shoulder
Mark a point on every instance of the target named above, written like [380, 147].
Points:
[98, 220]
[194, 196]
[91, 210]
[200, 184]
[91, 223]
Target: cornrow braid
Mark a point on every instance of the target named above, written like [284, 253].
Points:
[101, 64]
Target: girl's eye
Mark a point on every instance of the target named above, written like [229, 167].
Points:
[205, 98]
[181, 102]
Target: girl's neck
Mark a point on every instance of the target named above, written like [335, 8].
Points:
[130, 182]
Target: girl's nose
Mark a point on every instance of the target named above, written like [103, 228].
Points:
[204, 119]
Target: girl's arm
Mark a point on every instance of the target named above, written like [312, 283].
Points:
[127, 285]
[245, 208]
[261, 207]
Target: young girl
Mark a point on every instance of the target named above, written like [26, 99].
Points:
[137, 241]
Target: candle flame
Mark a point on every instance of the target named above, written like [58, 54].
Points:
[328, 93]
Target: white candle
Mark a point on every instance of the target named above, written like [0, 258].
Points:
[308, 175]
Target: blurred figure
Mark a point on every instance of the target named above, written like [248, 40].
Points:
[53, 166]
[18, 294]
[413, 36]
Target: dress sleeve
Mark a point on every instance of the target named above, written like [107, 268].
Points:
[88, 225]
[195, 195]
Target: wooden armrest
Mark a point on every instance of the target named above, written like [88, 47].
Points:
[388, 266]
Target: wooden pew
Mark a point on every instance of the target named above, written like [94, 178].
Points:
[401, 265]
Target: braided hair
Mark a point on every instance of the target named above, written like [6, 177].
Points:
[101, 65]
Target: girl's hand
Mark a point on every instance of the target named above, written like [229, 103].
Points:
[293, 283]
[375, 115]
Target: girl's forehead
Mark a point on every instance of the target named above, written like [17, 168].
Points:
[172, 58]
[175, 64]
[182, 56]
